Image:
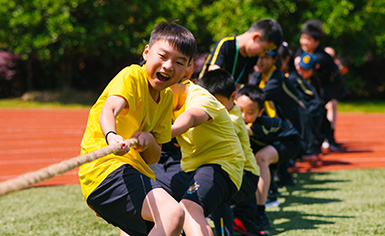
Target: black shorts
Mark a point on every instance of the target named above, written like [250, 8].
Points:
[209, 186]
[119, 198]
[248, 188]
[287, 149]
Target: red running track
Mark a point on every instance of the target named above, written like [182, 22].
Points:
[31, 139]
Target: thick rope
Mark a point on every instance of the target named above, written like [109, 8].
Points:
[28, 179]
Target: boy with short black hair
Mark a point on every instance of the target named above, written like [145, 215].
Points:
[220, 83]
[212, 156]
[273, 141]
[137, 104]
[238, 54]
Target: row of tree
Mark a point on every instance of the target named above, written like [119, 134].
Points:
[82, 43]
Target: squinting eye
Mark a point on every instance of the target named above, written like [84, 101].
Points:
[180, 63]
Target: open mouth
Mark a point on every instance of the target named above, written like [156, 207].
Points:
[162, 76]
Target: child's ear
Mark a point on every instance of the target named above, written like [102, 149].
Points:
[261, 112]
[232, 96]
[145, 52]
[256, 35]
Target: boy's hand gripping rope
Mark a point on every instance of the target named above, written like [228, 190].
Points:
[28, 179]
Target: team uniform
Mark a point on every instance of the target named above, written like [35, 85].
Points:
[276, 132]
[170, 157]
[250, 176]
[314, 105]
[212, 156]
[115, 186]
[284, 138]
[251, 167]
[328, 80]
[226, 55]
[284, 101]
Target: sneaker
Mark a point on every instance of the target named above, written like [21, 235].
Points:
[325, 145]
[283, 178]
[272, 202]
[272, 197]
[335, 147]
[247, 228]
[262, 221]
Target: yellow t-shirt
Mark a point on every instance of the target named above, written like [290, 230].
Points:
[241, 131]
[214, 141]
[143, 114]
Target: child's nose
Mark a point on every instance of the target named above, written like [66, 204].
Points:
[167, 65]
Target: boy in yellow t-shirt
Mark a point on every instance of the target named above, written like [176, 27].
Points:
[137, 103]
[212, 156]
[220, 83]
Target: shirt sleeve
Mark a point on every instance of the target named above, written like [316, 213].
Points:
[220, 53]
[123, 84]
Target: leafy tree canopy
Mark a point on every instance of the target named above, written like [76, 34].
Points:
[65, 34]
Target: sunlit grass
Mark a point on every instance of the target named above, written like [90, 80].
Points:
[20, 104]
[345, 202]
[362, 106]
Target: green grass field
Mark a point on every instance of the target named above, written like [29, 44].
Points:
[345, 202]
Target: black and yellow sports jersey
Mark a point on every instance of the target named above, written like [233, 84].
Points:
[224, 54]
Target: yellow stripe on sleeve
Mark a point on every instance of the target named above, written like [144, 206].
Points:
[216, 52]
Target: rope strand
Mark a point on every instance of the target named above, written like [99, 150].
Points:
[28, 179]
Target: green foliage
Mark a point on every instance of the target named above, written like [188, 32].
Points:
[77, 41]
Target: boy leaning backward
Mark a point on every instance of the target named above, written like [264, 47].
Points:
[137, 103]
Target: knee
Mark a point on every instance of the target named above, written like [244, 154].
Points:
[262, 161]
[180, 215]
[177, 215]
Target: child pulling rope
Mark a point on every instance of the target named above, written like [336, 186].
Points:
[31, 178]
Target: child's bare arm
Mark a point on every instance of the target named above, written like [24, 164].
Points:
[147, 146]
[249, 131]
[188, 119]
[111, 109]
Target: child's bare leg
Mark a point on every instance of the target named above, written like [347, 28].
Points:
[331, 108]
[265, 157]
[164, 211]
[195, 223]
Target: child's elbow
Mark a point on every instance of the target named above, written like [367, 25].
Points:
[151, 160]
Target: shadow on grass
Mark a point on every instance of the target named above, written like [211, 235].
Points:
[309, 165]
[286, 220]
[293, 220]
